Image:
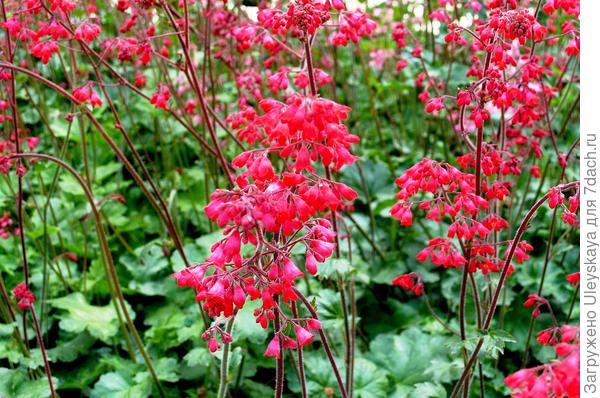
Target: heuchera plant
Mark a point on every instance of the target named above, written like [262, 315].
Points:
[277, 209]
[506, 108]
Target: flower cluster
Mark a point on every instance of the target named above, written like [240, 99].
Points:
[507, 83]
[5, 225]
[411, 282]
[537, 303]
[443, 191]
[86, 93]
[275, 213]
[25, 298]
[304, 17]
[508, 96]
[557, 199]
[559, 378]
[305, 130]
[280, 204]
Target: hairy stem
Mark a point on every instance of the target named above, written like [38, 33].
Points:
[325, 342]
[224, 374]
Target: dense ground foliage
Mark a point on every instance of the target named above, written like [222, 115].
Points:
[307, 198]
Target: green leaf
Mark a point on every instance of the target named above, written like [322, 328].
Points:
[428, 390]
[319, 376]
[376, 176]
[329, 308]
[167, 369]
[35, 361]
[198, 356]
[408, 357]
[245, 326]
[254, 389]
[100, 321]
[149, 269]
[15, 384]
[106, 170]
[7, 329]
[170, 326]
[333, 267]
[116, 385]
[83, 375]
[69, 350]
[370, 380]
[444, 371]
[495, 342]
[10, 350]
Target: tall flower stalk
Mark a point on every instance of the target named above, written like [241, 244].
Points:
[506, 107]
[284, 198]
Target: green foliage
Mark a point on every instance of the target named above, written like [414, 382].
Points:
[99, 321]
[414, 357]
[14, 384]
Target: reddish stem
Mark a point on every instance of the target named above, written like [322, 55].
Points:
[309, 65]
[279, 368]
[203, 107]
[494, 302]
[325, 342]
[301, 375]
[38, 332]
[21, 224]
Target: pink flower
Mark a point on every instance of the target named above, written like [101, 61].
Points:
[87, 32]
[479, 116]
[311, 264]
[518, 379]
[86, 93]
[273, 349]
[44, 50]
[555, 197]
[401, 64]
[213, 344]
[290, 271]
[161, 97]
[436, 104]
[13, 25]
[440, 14]
[304, 336]
[25, 298]
[403, 213]
[573, 48]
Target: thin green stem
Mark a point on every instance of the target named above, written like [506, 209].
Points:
[224, 374]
